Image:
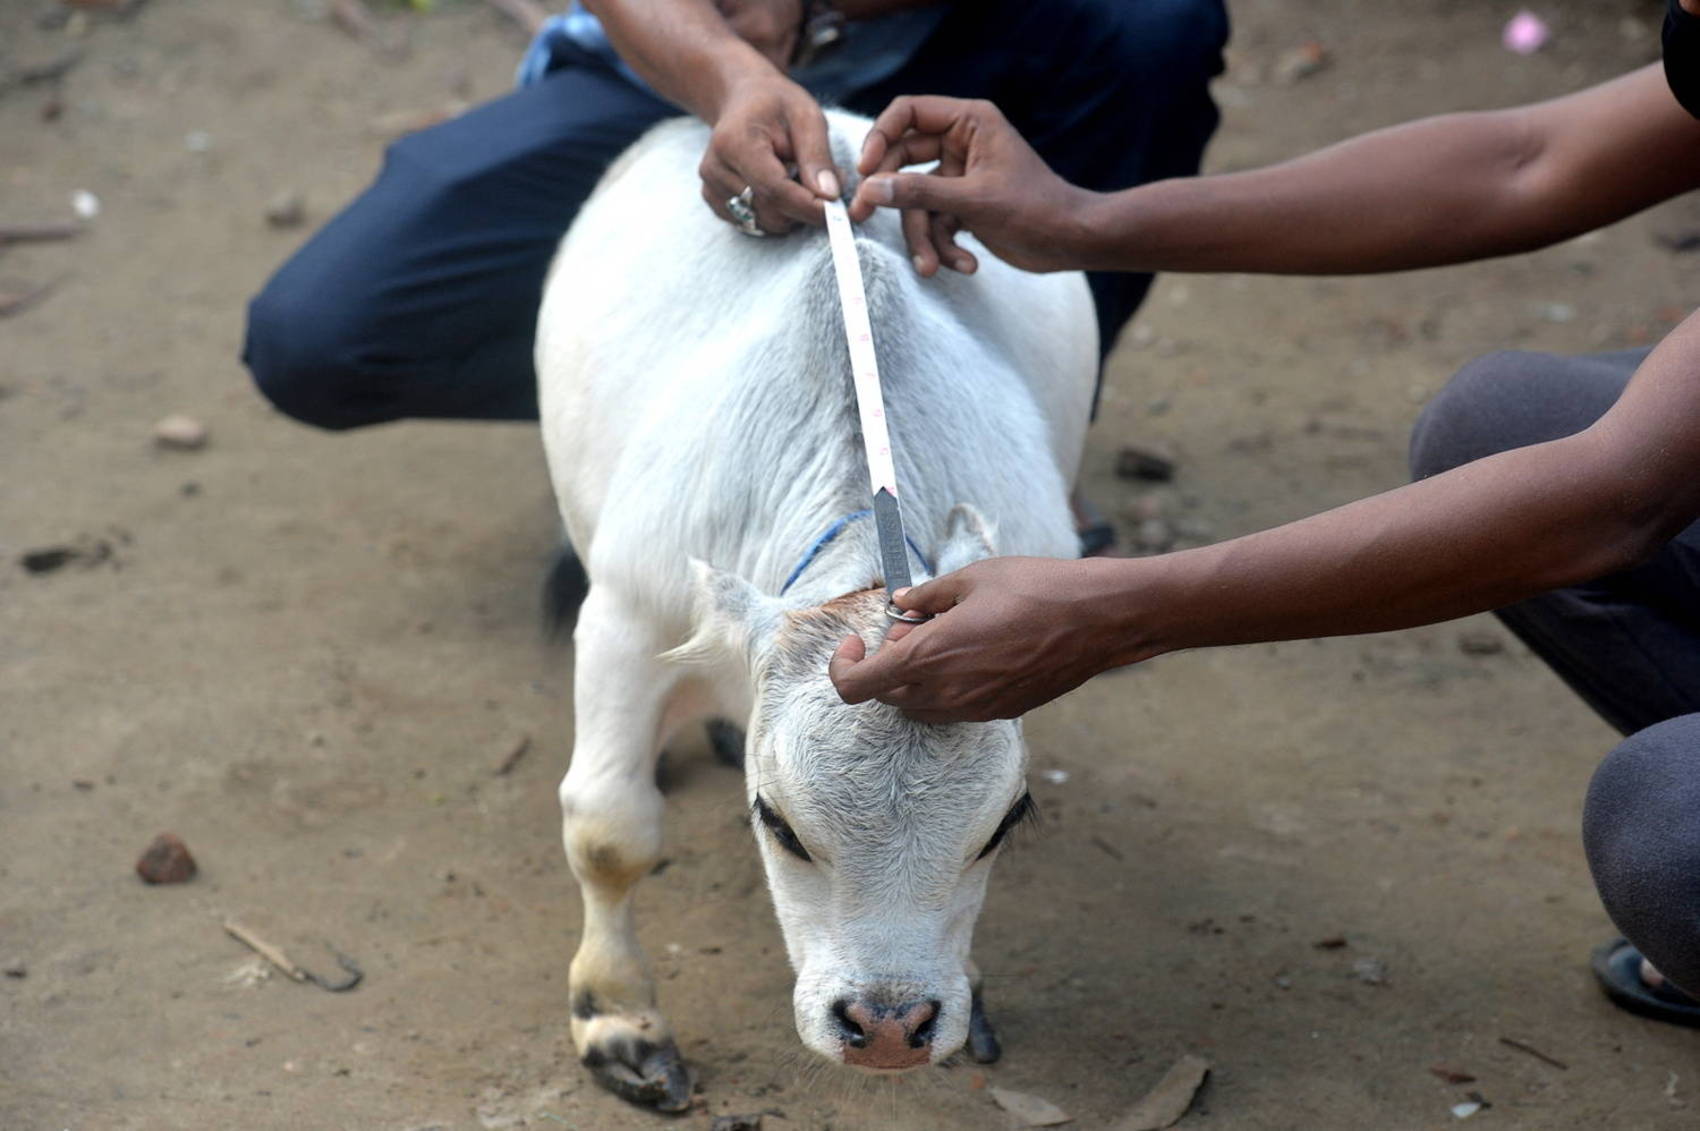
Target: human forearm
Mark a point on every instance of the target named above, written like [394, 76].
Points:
[686, 50]
[1478, 537]
[1443, 190]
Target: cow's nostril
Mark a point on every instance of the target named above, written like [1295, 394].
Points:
[852, 1033]
[927, 1017]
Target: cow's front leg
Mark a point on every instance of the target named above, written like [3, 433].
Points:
[611, 824]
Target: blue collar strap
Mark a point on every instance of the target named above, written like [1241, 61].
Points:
[832, 532]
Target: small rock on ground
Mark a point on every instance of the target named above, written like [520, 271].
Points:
[180, 433]
[166, 861]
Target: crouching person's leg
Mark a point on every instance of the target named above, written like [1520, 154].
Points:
[420, 299]
[1641, 829]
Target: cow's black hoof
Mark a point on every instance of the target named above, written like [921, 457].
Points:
[727, 742]
[647, 1073]
[983, 1044]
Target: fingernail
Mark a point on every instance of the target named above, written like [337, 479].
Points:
[881, 189]
[828, 181]
[903, 592]
[921, 266]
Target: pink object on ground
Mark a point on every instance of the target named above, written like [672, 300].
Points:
[1525, 33]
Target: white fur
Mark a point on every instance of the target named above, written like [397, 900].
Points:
[697, 405]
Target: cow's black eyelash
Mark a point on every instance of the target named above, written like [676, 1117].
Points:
[781, 830]
[1024, 810]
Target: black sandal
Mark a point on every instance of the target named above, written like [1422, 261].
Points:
[1618, 967]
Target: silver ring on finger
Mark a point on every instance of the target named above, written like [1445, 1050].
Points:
[743, 212]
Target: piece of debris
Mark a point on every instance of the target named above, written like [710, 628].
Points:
[30, 233]
[85, 204]
[1164, 1105]
[1558, 313]
[1332, 942]
[1466, 1109]
[1512, 1043]
[1030, 1110]
[180, 433]
[1451, 1075]
[250, 972]
[47, 559]
[1525, 33]
[16, 968]
[1301, 62]
[736, 1123]
[1141, 463]
[1055, 777]
[29, 74]
[515, 753]
[286, 210]
[1107, 848]
[16, 302]
[1480, 642]
[283, 962]
[198, 141]
[1370, 971]
[166, 861]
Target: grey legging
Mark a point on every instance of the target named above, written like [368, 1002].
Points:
[1628, 643]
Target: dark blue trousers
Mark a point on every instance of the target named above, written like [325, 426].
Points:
[420, 299]
[1628, 643]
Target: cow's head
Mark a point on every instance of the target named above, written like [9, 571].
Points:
[877, 832]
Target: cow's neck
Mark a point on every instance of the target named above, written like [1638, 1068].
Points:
[842, 557]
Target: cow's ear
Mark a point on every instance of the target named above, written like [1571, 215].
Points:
[968, 537]
[731, 616]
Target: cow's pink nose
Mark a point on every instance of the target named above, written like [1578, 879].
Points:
[886, 1036]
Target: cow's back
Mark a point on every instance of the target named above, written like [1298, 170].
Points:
[695, 389]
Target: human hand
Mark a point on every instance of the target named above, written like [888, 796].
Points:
[764, 124]
[1007, 635]
[770, 26]
[988, 181]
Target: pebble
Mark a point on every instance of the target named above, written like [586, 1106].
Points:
[1030, 1110]
[286, 210]
[180, 433]
[85, 204]
[166, 861]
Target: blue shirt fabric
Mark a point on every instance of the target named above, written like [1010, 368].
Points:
[870, 50]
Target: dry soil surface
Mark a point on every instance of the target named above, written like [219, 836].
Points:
[307, 654]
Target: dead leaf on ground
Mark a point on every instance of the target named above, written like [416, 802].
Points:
[1164, 1105]
[1031, 1110]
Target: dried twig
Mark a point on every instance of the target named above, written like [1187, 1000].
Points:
[282, 961]
[507, 764]
[1534, 1052]
[525, 13]
[264, 949]
[28, 233]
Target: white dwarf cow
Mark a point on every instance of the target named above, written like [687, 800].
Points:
[701, 432]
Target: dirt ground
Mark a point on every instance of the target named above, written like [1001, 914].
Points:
[308, 654]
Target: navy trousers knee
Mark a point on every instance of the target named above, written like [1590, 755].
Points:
[420, 298]
[1628, 643]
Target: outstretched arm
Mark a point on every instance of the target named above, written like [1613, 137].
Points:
[1442, 190]
[1012, 633]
